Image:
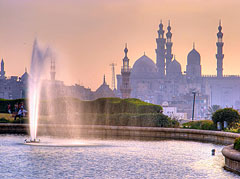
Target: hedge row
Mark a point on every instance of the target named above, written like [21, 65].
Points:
[101, 105]
[202, 124]
[121, 119]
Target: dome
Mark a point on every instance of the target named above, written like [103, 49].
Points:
[193, 57]
[104, 91]
[174, 67]
[144, 65]
[165, 104]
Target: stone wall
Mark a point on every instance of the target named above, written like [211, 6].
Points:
[224, 138]
[232, 159]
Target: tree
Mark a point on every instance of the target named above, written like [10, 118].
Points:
[212, 109]
[230, 115]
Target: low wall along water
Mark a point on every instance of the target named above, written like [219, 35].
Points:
[232, 157]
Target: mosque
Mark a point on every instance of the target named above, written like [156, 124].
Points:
[161, 83]
[164, 82]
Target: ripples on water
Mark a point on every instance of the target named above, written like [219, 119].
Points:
[102, 158]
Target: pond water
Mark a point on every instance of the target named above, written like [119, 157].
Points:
[110, 158]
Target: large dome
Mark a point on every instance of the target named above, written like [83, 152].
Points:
[144, 65]
[193, 57]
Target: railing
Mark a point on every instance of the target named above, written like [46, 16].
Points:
[128, 69]
[224, 76]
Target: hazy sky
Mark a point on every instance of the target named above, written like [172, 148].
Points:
[88, 35]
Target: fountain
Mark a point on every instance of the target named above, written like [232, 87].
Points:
[39, 88]
[37, 72]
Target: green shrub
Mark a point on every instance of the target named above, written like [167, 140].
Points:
[202, 124]
[121, 119]
[103, 111]
[20, 121]
[101, 105]
[237, 144]
[230, 115]
[3, 120]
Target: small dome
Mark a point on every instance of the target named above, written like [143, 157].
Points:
[165, 104]
[144, 65]
[175, 67]
[104, 91]
[193, 57]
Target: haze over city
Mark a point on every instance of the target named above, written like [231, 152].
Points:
[89, 35]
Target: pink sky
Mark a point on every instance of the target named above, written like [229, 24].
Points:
[88, 35]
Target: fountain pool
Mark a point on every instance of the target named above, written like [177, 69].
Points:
[110, 158]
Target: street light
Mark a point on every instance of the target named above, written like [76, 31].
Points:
[194, 96]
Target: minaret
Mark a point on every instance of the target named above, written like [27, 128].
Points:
[52, 70]
[219, 54]
[104, 79]
[169, 54]
[160, 51]
[2, 70]
[126, 71]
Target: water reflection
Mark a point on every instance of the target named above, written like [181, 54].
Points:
[112, 158]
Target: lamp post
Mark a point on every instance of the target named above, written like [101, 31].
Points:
[194, 96]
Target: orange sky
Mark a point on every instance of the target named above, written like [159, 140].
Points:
[88, 35]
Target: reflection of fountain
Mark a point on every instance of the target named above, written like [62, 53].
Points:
[37, 72]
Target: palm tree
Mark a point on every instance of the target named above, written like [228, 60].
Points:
[212, 109]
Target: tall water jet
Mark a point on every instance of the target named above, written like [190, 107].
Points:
[38, 69]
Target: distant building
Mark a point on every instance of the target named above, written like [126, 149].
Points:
[15, 87]
[165, 81]
[12, 87]
[103, 91]
[172, 112]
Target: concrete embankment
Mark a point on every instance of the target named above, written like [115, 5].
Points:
[224, 138]
[232, 159]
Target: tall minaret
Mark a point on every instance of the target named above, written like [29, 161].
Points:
[2, 70]
[126, 71]
[160, 51]
[169, 54]
[219, 54]
[52, 70]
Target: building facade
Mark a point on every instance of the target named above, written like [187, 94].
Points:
[12, 87]
[165, 81]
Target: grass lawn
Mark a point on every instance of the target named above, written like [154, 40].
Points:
[7, 116]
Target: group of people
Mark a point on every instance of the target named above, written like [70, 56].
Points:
[19, 110]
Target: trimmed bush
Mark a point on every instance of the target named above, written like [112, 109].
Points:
[104, 111]
[3, 120]
[101, 105]
[202, 124]
[227, 114]
[20, 121]
[237, 144]
[121, 119]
